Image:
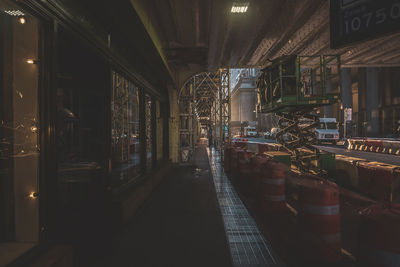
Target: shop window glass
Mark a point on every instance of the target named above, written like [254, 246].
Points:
[19, 131]
[159, 131]
[149, 132]
[125, 130]
[82, 86]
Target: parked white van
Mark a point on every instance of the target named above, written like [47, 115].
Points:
[250, 131]
[327, 130]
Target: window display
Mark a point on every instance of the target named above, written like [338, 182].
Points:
[19, 128]
[149, 132]
[124, 130]
[82, 85]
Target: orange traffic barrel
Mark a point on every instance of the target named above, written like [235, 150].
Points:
[272, 187]
[263, 147]
[227, 158]
[242, 143]
[379, 236]
[245, 170]
[319, 218]
[234, 160]
[255, 179]
[379, 180]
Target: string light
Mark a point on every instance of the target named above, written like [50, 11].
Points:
[30, 61]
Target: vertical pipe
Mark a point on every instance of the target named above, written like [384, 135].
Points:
[229, 106]
[221, 103]
[193, 91]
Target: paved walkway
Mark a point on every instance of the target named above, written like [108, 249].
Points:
[180, 225]
[247, 245]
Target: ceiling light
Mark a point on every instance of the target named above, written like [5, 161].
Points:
[31, 61]
[14, 12]
[240, 7]
[33, 195]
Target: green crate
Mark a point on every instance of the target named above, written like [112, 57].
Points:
[327, 161]
[279, 156]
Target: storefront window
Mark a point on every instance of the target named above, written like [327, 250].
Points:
[149, 132]
[82, 85]
[19, 131]
[125, 130]
[159, 131]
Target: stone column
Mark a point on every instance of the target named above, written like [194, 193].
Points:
[328, 110]
[173, 125]
[347, 97]
[372, 101]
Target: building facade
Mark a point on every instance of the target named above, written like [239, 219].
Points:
[244, 97]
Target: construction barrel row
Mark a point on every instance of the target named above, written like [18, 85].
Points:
[377, 180]
[374, 145]
[262, 172]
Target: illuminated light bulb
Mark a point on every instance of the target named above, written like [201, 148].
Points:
[239, 8]
[22, 20]
[33, 195]
[30, 61]
[20, 94]
[34, 129]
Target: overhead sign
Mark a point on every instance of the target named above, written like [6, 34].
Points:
[358, 20]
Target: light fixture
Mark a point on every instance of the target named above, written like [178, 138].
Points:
[22, 20]
[240, 7]
[14, 12]
[31, 61]
[33, 195]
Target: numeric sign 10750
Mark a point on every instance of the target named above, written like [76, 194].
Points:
[371, 17]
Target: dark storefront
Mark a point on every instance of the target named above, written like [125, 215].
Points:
[78, 129]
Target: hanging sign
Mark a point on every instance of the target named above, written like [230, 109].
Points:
[358, 20]
[347, 114]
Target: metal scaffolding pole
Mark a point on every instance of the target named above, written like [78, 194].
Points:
[204, 99]
[225, 107]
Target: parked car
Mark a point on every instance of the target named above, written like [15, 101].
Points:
[250, 131]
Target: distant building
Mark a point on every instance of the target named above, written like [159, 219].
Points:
[234, 77]
[244, 99]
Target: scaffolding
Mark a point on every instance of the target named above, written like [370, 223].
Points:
[204, 102]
